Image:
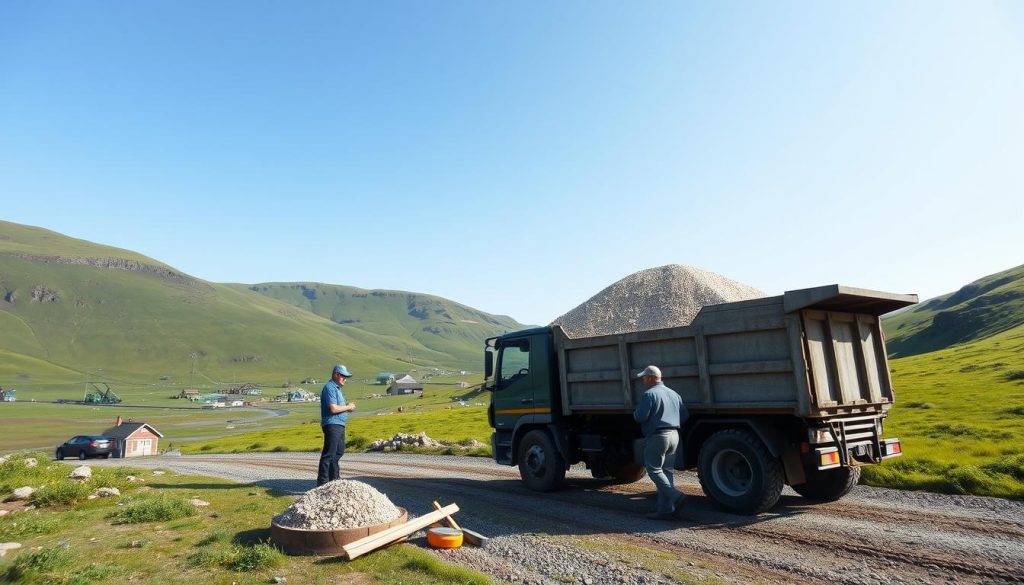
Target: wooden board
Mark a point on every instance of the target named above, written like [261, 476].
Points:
[375, 541]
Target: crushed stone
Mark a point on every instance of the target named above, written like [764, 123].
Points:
[666, 296]
[339, 504]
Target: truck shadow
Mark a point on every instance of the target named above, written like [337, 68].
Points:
[504, 507]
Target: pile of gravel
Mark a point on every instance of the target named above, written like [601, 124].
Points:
[339, 504]
[667, 296]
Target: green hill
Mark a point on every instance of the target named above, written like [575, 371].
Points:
[68, 305]
[981, 309]
[438, 324]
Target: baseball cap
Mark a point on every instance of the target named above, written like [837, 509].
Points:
[650, 371]
[340, 369]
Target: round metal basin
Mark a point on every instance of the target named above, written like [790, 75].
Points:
[302, 541]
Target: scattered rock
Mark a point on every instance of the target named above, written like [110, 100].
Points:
[82, 472]
[22, 493]
[198, 503]
[134, 479]
[280, 579]
[401, 439]
[31, 462]
[105, 492]
[91, 497]
[158, 472]
[4, 513]
[339, 504]
[6, 546]
[4, 459]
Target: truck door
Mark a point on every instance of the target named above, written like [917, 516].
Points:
[514, 386]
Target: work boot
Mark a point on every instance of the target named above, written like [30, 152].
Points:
[677, 506]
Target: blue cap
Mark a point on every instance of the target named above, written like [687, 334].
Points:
[340, 369]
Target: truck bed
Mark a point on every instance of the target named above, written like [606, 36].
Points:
[815, 352]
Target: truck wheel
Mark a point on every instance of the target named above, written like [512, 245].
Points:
[540, 464]
[737, 471]
[829, 485]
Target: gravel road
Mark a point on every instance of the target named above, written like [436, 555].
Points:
[595, 533]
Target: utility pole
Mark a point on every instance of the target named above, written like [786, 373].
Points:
[192, 375]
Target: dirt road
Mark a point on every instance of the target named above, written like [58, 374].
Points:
[593, 532]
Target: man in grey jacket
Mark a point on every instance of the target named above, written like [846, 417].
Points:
[660, 413]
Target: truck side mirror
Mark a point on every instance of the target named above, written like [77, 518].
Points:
[488, 364]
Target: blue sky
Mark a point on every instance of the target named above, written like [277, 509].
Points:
[519, 157]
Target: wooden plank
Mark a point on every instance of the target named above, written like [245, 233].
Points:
[468, 536]
[375, 541]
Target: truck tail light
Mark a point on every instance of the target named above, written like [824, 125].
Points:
[891, 448]
[828, 457]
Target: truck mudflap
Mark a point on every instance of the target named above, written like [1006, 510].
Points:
[842, 442]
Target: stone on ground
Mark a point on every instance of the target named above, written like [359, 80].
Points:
[81, 472]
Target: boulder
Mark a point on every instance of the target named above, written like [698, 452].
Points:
[31, 462]
[4, 513]
[22, 493]
[106, 492]
[6, 546]
[198, 503]
[82, 472]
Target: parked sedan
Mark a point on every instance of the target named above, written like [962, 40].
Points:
[84, 446]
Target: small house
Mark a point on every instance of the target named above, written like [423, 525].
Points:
[133, 439]
[189, 394]
[8, 395]
[405, 385]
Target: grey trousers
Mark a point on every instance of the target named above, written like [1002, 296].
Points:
[659, 459]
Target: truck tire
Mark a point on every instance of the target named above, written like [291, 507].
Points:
[737, 471]
[829, 485]
[540, 464]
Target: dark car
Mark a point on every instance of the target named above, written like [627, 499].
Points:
[84, 446]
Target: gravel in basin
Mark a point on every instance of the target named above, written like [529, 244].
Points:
[339, 504]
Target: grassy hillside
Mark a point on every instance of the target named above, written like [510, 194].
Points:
[982, 308]
[960, 415]
[441, 325]
[68, 306]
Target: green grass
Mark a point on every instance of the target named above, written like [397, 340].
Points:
[959, 417]
[460, 423]
[153, 509]
[224, 543]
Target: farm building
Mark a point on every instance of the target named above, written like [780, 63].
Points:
[300, 395]
[405, 385]
[133, 439]
[189, 394]
[246, 390]
[8, 395]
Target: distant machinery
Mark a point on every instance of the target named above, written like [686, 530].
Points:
[101, 393]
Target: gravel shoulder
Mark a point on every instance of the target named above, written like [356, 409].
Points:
[593, 532]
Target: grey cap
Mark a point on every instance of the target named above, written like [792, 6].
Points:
[650, 371]
[340, 369]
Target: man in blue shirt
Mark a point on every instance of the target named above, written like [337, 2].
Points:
[334, 411]
[660, 413]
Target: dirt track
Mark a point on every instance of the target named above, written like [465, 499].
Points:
[871, 536]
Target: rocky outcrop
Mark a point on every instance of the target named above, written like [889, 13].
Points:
[113, 264]
[42, 294]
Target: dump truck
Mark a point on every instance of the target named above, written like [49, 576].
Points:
[790, 389]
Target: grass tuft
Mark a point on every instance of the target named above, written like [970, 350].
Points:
[218, 535]
[256, 557]
[30, 567]
[151, 509]
[21, 525]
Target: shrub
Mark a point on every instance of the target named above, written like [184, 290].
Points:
[206, 447]
[160, 508]
[1014, 375]
[280, 449]
[918, 404]
[257, 445]
[357, 442]
[1017, 410]
[65, 491]
[258, 556]
[28, 565]
[209, 557]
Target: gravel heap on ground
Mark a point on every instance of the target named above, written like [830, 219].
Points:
[339, 504]
[667, 296]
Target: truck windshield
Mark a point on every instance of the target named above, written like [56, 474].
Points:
[514, 362]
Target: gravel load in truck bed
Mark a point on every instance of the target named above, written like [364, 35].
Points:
[666, 296]
[338, 504]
